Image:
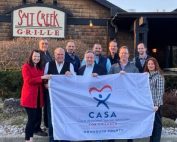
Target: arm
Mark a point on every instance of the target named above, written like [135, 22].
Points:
[160, 90]
[28, 77]
[71, 72]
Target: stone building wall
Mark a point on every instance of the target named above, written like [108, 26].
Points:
[126, 38]
[84, 35]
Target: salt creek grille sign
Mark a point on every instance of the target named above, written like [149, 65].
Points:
[38, 22]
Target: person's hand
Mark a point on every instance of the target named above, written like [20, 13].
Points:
[47, 76]
[122, 72]
[68, 73]
[94, 74]
[156, 108]
[145, 73]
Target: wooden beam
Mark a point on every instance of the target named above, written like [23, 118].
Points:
[70, 21]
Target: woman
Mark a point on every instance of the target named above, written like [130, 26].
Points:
[32, 91]
[157, 89]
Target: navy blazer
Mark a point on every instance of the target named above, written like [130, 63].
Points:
[96, 69]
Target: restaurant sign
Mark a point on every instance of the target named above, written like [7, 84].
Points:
[38, 21]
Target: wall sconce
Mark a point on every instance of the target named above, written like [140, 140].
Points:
[154, 50]
[90, 23]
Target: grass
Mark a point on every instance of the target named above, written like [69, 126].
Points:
[166, 122]
[15, 119]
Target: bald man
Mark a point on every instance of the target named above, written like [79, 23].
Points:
[57, 67]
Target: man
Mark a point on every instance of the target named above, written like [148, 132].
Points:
[142, 57]
[57, 67]
[113, 57]
[99, 58]
[91, 69]
[45, 57]
[70, 55]
[124, 66]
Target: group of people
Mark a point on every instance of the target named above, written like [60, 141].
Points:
[40, 66]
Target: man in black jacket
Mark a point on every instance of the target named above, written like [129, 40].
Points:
[57, 67]
[141, 58]
[113, 56]
[70, 55]
[45, 57]
[91, 68]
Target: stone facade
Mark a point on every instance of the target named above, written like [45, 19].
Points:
[125, 37]
[84, 35]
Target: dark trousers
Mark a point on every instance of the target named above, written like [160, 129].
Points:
[45, 115]
[32, 119]
[39, 115]
[37, 126]
[157, 128]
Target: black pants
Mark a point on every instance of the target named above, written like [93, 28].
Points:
[157, 129]
[39, 115]
[37, 125]
[45, 115]
[32, 119]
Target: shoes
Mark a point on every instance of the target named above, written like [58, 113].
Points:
[41, 133]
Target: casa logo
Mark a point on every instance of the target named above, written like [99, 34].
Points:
[101, 95]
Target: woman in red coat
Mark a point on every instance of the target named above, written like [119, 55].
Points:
[32, 91]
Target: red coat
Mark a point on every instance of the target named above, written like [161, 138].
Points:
[32, 83]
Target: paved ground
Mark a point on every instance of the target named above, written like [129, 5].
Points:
[45, 139]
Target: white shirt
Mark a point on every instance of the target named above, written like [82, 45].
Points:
[59, 67]
[88, 70]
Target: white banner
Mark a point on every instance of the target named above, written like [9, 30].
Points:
[98, 108]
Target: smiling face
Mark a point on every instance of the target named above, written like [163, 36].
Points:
[59, 54]
[151, 65]
[124, 55]
[97, 49]
[89, 58]
[35, 57]
[141, 49]
[70, 47]
[113, 47]
[43, 45]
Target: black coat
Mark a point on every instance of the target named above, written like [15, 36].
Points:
[96, 69]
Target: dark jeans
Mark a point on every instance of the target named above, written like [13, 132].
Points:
[45, 115]
[32, 119]
[157, 129]
[39, 115]
[37, 126]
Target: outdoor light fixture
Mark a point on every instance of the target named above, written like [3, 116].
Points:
[90, 23]
[154, 50]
